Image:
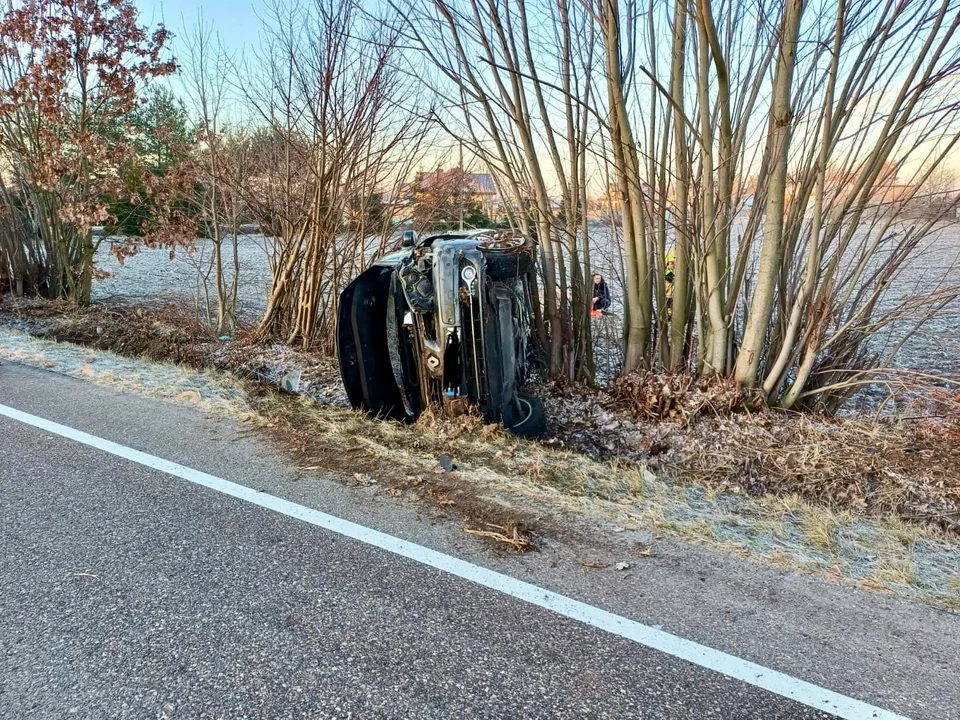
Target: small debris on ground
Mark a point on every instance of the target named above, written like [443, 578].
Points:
[643, 550]
[510, 535]
[290, 382]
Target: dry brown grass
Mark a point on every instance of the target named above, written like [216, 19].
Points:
[886, 469]
[821, 527]
[894, 571]
[908, 470]
[405, 459]
[166, 332]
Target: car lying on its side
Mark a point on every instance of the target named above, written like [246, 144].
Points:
[444, 322]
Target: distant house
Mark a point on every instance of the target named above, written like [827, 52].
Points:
[893, 194]
[480, 185]
[606, 205]
[439, 183]
[484, 189]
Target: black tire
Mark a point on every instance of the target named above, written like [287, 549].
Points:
[507, 264]
[527, 417]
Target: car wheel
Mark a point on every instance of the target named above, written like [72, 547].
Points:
[508, 258]
[527, 417]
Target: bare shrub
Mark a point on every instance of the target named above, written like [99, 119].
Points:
[661, 396]
[22, 252]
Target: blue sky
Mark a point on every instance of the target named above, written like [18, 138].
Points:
[237, 23]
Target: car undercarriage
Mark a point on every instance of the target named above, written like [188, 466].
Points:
[446, 322]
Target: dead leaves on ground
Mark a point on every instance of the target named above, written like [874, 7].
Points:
[695, 435]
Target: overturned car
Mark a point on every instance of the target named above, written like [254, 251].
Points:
[445, 322]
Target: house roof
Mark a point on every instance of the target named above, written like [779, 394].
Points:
[476, 183]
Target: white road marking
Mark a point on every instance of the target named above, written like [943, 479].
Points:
[743, 670]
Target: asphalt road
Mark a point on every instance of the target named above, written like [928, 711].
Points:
[125, 592]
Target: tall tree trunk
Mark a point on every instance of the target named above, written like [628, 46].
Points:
[682, 271]
[801, 305]
[85, 288]
[637, 293]
[771, 251]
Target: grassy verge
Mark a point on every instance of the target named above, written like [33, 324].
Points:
[511, 491]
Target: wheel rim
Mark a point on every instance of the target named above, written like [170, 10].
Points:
[524, 403]
[502, 244]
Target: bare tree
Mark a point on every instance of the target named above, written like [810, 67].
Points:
[330, 97]
[780, 158]
[220, 170]
[22, 253]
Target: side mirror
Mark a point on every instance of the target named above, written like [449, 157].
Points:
[409, 238]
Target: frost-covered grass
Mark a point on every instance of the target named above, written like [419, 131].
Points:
[209, 391]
